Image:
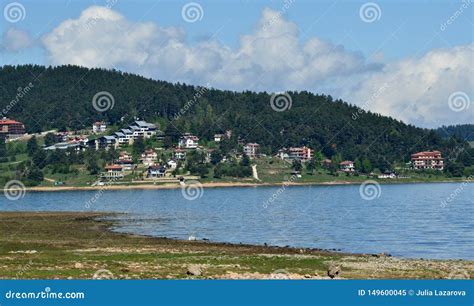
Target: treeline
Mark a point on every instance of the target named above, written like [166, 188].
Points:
[31, 170]
[61, 97]
[462, 131]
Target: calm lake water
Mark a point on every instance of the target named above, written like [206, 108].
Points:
[409, 220]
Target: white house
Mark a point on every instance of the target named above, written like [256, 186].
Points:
[172, 164]
[128, 135]
[121, 138]
[180, 154]
[387, 176]
[347, 166]
[149, 157]
[188, 141]
[113, 172]
[156, 171]
[124, 155]
[218, 137]
[99, 127]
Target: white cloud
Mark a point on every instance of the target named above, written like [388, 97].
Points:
[417, 90]
[14, 40]
[271, 58]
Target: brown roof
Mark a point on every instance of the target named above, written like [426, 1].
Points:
[9, 121]
[426, 153]
[346, 162]
[113, 167]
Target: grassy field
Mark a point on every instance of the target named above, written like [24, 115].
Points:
[80, 245]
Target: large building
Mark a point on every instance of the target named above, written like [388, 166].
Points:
[112, 172]
[10, 129]
[300, 153]
[142, 129]
[251, 150]
[427, 160]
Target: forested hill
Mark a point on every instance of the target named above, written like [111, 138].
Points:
[463, 131]
[61, 97]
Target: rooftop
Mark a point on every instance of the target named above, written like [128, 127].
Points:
[113, 167]
[9, 121]
[346, 162]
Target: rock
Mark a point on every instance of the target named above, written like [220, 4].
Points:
[78, 265]
[194, 270]
[69, 277]
[307, 276]
[334, 271]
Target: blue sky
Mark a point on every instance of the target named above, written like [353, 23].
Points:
[414, 24]
[324, 46]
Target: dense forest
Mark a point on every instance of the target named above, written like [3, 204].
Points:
[463, 131]
[46, 98]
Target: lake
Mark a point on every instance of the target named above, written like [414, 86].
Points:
[409, 220]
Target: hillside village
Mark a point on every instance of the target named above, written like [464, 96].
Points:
[138, 153]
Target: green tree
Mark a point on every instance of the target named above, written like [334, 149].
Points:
[39, 159]
[245, 161]
[311, 166]
[202, 170]
[32, 146]
[91, 164]
[216, 157]
[34, 176]
[358, 165]
[3, 147]
[367, 166]
[49, 139]
[138, 146]
[455, 169]
[297, 166]
[318, 158]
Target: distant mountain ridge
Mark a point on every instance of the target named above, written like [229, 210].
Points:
[61, 97]
[462, 131]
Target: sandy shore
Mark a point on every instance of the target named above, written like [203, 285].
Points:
[218, 185]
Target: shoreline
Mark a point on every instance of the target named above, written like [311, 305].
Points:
[223, 185]
[74, 245]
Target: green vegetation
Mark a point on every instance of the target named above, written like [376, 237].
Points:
[461, 131]
[333, 129]
[77, 245]
[317, 121]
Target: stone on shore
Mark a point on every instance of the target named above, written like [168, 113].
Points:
[334, 271]
[194, 270]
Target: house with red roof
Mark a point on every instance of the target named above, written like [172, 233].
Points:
[10, 129]
[347, 166]
[113, 171]
[427, 160]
